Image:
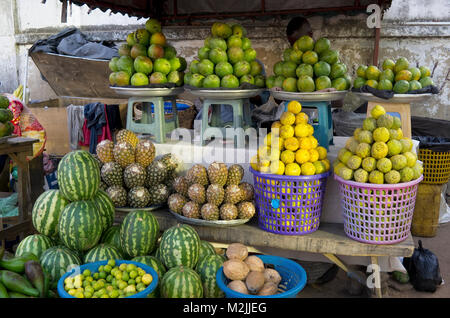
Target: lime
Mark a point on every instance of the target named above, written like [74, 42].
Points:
[86, 273]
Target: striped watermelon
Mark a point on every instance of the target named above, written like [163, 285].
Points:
[105, 207]
[102, 252]
[158, 266]
[180, 245]
[206, 249]
[207, 269]
[138, 233]
[36, 244]
[46, 212]
[58, 260]
[181, 282]
[78, 176]
[112, 237]
[80, 225]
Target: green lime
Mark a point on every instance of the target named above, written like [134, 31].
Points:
[109, 278]
[112, 263]
[90, 279]
[89, 289]
[104, 296]
[131, 267]
[87, 294]
[133, 274]
[141, 272]
[123, 267]
[122, 284]
[140, 287]
[131, 282]
[101, 268]
[102, 274]
[95, 276]
[86, 273]
[114, 294]
[129, 294]
[107, 268]
[138, 279]
[125, 276]
[86, 283]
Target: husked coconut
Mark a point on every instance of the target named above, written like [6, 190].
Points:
[238, 286]
[254, 263]
[271, 275]
[235, 269]
[268, 289]
[237, 251]
[254, 282]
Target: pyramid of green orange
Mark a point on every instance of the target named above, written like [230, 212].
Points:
[309, 66]
[147, 58]
[378, 153]
[399, 76]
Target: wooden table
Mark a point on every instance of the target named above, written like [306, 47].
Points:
[329, 240]
[18, 149]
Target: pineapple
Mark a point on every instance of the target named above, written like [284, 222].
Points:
[197, 193]
[247, 191]
[246, 210]
[145, 152]
[118, 196]
[105, 151]
[228, 211]
[181, 185]
[124, 154]
[100, 164]
[209, 212]
[112, 174]
[235, 174]
[191, 210]
[233, 194]
[103, 186]
[176, 202]
[128, 136]
[156, 173]
[138, 197]
[215, 194]
[197, 174]
[158, 194]
[171, 161]
[134, 175]
[218, 173]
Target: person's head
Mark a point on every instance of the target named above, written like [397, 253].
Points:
[296, 28]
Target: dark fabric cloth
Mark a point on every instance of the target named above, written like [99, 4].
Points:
[114, 120]
[95, 116]
[387, 94]
[430, 127]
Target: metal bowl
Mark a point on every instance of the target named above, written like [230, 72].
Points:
[309, 97]
[147, 92]
[225, 94]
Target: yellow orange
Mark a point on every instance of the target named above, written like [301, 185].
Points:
[308, 169]
[287, 156]
[301, 118]
[326, 162]
[322, 152]
[305, 143]
[291, 143]
[286, 131]
[287, 118]
[294, 107]
[313, 155]
[301, 130]
[268, 139]
[314, 142]
[310, 130]
[254, 162]
[292, 169]
[302, 156]
[320, 167]
[276, 124]
[277, 167]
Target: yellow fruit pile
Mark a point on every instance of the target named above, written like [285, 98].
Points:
[378, 153]
[290, 148]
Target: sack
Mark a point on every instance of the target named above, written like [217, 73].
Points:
[423, 269]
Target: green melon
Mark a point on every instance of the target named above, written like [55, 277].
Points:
[139, 233]
[206, 249]
[106, 208]
[78, 176]
[36, 244]
[80, 225]
[46, 212]
[58, 260]
[207, 269]
[180, 245]
[181, 282]
[102, 252]
[158, 266]
[112, 237]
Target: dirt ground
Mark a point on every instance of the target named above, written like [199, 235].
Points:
[336, 288]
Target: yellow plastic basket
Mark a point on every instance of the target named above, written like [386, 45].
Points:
[436, 166]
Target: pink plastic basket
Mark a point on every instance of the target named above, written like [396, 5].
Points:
[378, 213]
[289, 205]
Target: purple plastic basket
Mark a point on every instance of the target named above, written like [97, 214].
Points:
[289, 205]
[378, 213]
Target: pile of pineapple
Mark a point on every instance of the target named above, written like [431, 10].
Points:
[213, 193]
[131, 176]
[290, 148]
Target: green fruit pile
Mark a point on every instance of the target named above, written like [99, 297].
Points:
[227, 59]
[309, 66]
[146, 59]
[111, 281]
[6, 115]
[378, 153]
[398, 76]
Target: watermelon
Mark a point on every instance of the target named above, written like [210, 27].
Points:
[112, 237]
[206, 249]
[207, 269]
[157, 253]
[105, 207]
[80, 225]
[58, 260]
[102, 252]
[36, 244]
[78, 176]
[46, 212]
[158, 266]
[138, 233]
[180, 245]
[181, 282]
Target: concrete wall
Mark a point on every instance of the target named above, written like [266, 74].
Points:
[417, 31]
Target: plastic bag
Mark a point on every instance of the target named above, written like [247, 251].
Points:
[436, 144]
[423, 269]
[8, 206]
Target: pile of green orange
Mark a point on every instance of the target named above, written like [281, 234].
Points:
[227, 59]
[309, 66]
[399, 76]
[146, 59]
[378, 152]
